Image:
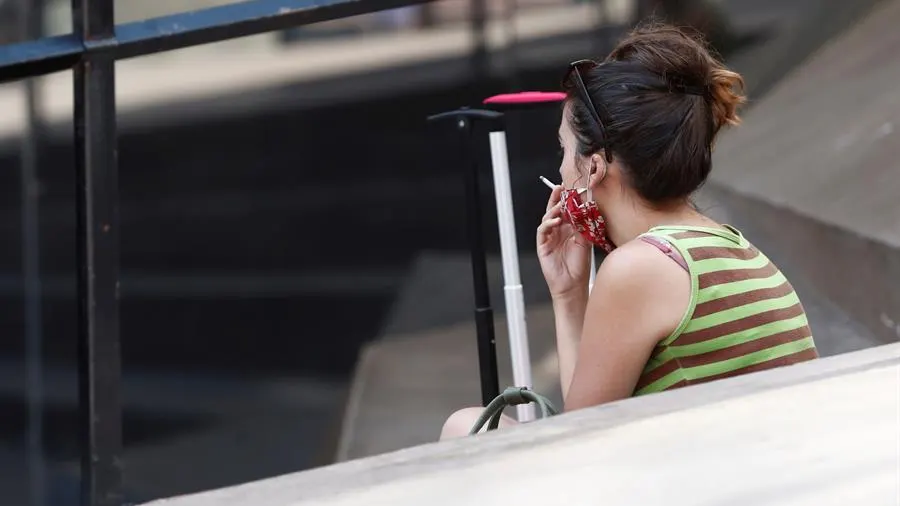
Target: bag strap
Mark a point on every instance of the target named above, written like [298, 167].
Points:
[512, 396]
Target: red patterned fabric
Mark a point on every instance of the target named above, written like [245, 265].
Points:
[585, 217]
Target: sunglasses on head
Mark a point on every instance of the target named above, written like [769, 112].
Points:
[574, 75]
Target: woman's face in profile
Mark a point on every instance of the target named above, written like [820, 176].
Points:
[568, 170]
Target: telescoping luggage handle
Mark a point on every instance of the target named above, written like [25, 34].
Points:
[463, 120]
[532, 99]
[513, 293]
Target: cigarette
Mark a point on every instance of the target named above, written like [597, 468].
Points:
[547, 182]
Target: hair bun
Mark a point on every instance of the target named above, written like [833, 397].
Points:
[686, 64]
[726, 96]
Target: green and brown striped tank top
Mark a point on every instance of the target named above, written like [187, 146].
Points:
[744, 315]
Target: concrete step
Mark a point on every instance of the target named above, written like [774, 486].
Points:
[816, 164]
[425, 364]
[183, 433]
[835, 330]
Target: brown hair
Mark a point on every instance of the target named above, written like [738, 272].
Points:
[662, 98]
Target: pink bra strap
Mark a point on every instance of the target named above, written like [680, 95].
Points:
[666, 248]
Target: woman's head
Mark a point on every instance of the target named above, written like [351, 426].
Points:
[661, 98]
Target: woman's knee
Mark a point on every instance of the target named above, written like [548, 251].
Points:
[461, 422]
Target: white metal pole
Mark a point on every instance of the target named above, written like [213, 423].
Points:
[593, 264]
[593, 272]
[512, 289]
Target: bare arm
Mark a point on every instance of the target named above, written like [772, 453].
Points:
[639, 298]
[569, 315]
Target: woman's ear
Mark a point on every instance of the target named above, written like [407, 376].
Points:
[598, 171]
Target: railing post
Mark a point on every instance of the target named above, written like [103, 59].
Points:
[31, 14]
[98, 255]
[480, 61]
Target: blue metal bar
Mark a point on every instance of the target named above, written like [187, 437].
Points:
[99, 361]
[39, 57]
[237, 20]
[182, 30]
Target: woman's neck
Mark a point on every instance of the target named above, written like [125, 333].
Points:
[626, 222]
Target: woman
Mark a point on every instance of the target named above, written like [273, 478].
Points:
[682, 300]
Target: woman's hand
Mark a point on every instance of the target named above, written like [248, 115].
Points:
[565, 256]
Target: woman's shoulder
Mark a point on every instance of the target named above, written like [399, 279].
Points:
[638, 280]
[640, 268]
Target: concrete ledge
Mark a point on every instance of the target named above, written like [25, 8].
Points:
[822, 432]
[801, 34]
[823, 142]
[856, 273]
[405, 386]
[816, 166]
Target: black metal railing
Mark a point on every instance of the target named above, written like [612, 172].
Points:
[91, 50]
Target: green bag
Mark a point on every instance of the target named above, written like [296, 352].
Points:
[512, 396]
